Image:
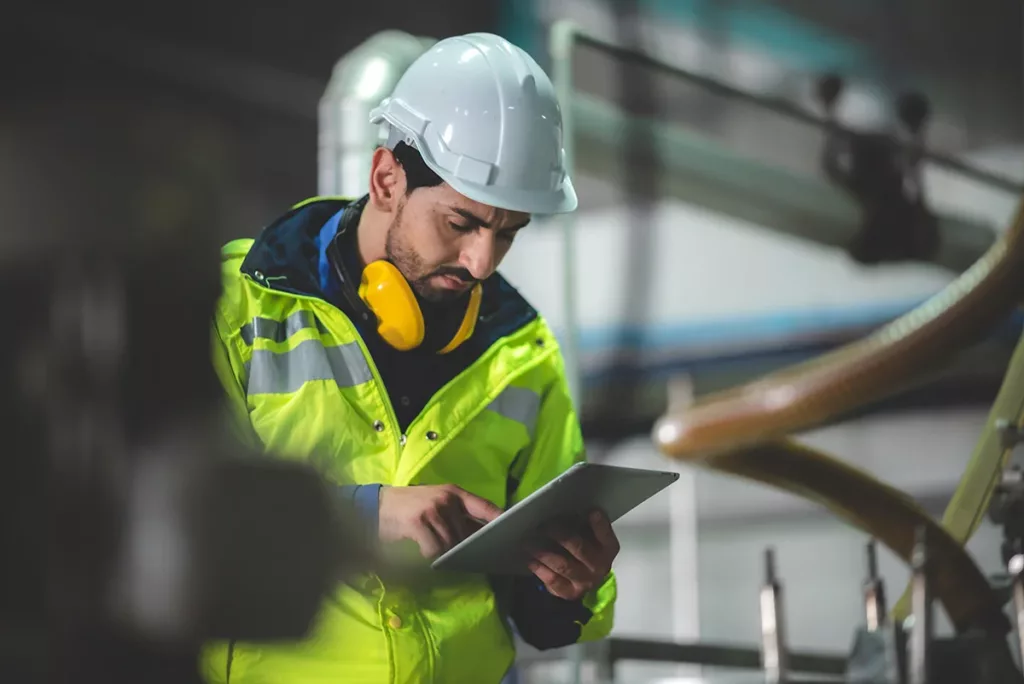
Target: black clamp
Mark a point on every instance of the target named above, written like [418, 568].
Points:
[882, 172]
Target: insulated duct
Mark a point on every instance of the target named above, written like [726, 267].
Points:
[360, 80]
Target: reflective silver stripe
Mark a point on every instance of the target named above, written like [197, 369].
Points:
[276, 331]
[285, 372]
[519, 404]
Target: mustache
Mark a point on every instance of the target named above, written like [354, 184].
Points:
[455, 272]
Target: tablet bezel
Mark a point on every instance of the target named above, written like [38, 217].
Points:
[615, 489]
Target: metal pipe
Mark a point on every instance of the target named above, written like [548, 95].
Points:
[921, 633]
[563, 36]
[874, 592]
[774, 656]
[360, 80]
[607, 652]
[1016, 568]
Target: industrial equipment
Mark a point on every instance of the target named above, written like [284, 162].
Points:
[744, 431]
[136, 527]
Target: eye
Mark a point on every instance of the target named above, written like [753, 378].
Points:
[508, 235]
[460, 228]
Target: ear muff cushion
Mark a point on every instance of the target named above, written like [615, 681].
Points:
[388, 294]
[465, 330]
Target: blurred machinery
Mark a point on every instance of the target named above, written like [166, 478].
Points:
[744, 431]
[882, 171]
[135, 526]
[869, 201]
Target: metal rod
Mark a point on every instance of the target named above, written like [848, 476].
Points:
[899, 637]
[561, 50]
[874, 592]
[921, 601]
[774, 656]
[562, 38]
[1016, 568]
[785, 108]
[720, 656]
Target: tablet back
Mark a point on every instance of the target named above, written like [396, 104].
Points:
[497, 548]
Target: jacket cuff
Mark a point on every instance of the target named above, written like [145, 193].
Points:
[365, 499]
[542, 619]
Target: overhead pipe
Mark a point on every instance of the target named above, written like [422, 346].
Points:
[360, 80]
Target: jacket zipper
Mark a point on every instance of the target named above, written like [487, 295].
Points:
[231, 657]
[389, 409]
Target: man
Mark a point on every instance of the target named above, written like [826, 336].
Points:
[375, 338]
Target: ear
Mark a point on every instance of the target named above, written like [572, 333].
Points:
[387, 180]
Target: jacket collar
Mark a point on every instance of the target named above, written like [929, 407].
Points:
[288, 256]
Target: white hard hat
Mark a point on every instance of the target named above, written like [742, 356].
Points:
[484, 116]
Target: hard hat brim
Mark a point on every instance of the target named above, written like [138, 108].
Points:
[561, 201]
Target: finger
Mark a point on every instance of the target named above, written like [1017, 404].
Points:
[458, 522]
[426, 538]
[562, 564]
[603, 532]
[556, 584]
[588, 553]
[443, 530]
[479, 508]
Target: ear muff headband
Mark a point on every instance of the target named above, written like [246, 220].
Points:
[468, 324]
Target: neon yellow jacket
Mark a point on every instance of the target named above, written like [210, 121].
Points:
[300, 380]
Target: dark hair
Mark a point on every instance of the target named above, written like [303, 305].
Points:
[417, 173]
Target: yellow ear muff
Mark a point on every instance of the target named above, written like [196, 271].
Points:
[465, 330]
[388, 294]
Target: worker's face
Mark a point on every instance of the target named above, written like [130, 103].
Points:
[444, 243]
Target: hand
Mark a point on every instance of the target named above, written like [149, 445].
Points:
[582, 563]
[436, 517]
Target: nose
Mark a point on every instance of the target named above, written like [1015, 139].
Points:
[478, 255]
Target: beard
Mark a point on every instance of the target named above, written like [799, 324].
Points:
[400, 253]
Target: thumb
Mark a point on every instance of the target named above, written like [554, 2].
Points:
[479, 508]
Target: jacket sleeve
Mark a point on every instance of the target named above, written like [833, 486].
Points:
[231, 355]
[229, 364]
[541, 619]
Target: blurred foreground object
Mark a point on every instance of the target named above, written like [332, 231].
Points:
[135, 526]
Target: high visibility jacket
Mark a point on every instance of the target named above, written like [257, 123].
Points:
[298, 376]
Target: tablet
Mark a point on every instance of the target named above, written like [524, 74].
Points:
[498, 547]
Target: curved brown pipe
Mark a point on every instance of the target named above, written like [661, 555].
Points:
[877, 366]
[884, 512]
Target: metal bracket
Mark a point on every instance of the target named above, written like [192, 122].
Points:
[1010, 434]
